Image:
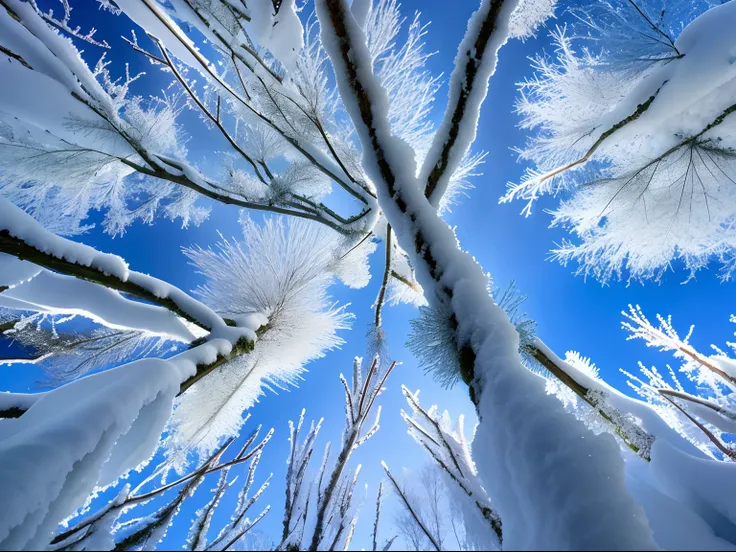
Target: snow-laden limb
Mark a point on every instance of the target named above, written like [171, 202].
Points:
[23, 237]
[402, 72]
[449, 449]
[517, 416]
[677, 518]
[639, 422]
[576, 377]
[103, 530]
[639, 130]
[59, 294]
[77, 437]
[475, 63]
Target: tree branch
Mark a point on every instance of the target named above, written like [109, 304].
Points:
[469, 83]
[410, 509]
[384, 283]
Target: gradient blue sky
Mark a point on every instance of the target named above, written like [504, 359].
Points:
[571, 313]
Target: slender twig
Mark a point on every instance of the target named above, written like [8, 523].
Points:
[410, 509]
[712, 438]
[378, 515]
[384, 283]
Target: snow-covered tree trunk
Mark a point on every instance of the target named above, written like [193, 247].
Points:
[520, 424]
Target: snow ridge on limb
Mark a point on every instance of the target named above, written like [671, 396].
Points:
[23, 237]
[68, 295]
[475, 63]
[520, 423]
[75, 438]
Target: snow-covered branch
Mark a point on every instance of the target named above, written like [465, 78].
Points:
[22, 237]
[486, 339]
[474, 65]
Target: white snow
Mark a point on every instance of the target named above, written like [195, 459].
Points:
[282, 34]
[21, 225]
[675, 525]
[18, 400]
[68, 295]
[74, 438]
[14, 271]
[705, 485]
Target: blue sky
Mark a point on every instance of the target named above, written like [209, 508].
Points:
[571, 313]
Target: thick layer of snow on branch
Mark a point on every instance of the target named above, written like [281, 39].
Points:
[14, 271]
[458, 136]
[75, 438]
[68, 295]
[21, 225]
[525, 438]
[647, 417]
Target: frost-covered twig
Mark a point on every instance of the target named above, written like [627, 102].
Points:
[359, 400]
[300, 453]
[384, 284]
[451, 452]
[666, 338]
[63, 25]
[712, 438]
[379, 496]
